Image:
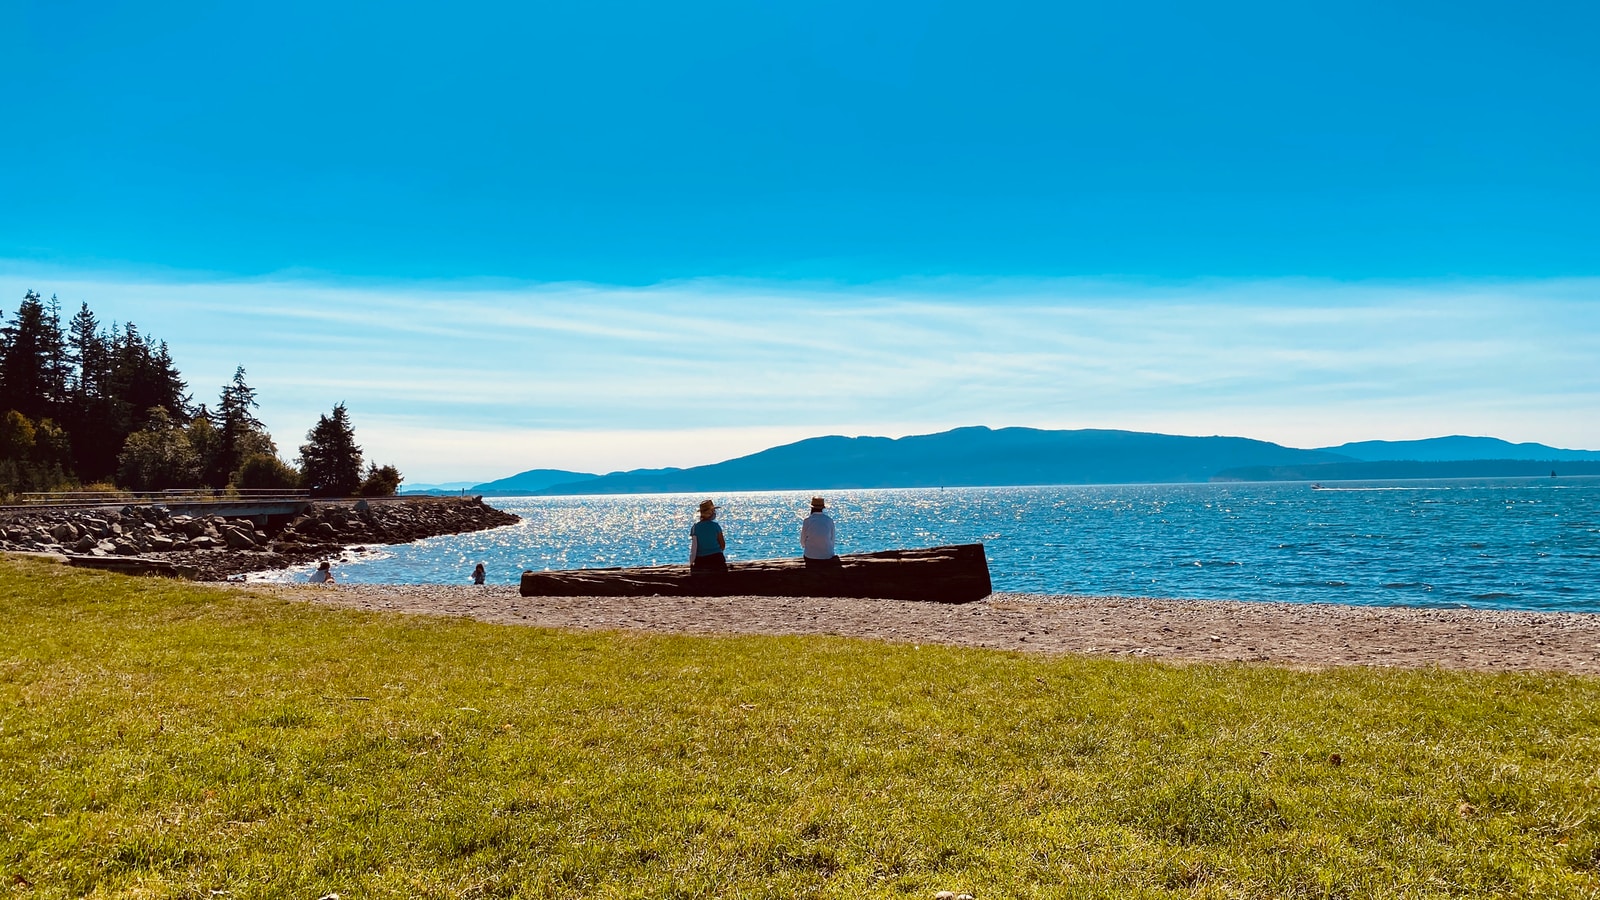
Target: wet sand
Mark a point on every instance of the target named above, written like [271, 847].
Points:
[1308, 636]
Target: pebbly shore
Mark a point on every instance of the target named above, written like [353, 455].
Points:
[215, 548]
[1293, 635]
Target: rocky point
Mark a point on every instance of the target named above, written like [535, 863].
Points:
[216, 547]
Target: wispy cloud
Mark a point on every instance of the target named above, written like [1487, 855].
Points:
[468, 381]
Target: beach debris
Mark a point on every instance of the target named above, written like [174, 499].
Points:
[1215, 639]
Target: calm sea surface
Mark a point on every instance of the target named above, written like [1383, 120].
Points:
[1503, 543]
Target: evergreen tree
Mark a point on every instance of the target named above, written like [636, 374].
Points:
[57, 356]
[143, 378]
[102, 387]
[31, 350]
[239, 432]
[88, 417]
[87, 355]
[140, 377]
[330, 461]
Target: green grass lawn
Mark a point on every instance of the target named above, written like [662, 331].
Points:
[162, 739]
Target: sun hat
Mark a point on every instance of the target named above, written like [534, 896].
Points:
[707, 506]
[816, 504]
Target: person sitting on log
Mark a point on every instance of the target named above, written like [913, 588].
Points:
[816, 538]
[706, 542]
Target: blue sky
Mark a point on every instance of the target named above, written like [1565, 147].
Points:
[609, 235]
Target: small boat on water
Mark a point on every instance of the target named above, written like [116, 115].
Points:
[954, 574]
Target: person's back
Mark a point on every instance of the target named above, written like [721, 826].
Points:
[817, 536]
[707, 542]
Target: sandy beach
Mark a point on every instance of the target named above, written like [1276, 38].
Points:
[1307, 636]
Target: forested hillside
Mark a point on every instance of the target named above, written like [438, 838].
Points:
[85, 405]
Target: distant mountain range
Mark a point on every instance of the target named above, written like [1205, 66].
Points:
[1398, 470]
[1455, 448]
[979, 456]
[531, 482]
[447, 487]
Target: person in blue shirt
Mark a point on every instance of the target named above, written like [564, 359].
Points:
[706, 542]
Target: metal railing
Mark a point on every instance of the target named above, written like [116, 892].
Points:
[177, 496]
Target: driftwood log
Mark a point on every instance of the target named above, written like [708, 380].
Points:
[958, 574]
[133, 565]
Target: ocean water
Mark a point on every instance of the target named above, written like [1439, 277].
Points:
[1496, 543]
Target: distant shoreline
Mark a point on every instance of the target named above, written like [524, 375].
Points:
[1563, 470]
[979, 456]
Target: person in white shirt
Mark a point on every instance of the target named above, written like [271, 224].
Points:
[323, 574]
[816, 537]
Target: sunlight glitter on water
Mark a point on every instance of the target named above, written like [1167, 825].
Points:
[1511, 543]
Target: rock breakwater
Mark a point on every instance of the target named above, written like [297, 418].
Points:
[220, 546]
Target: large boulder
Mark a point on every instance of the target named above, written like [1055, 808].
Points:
[238, 539]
